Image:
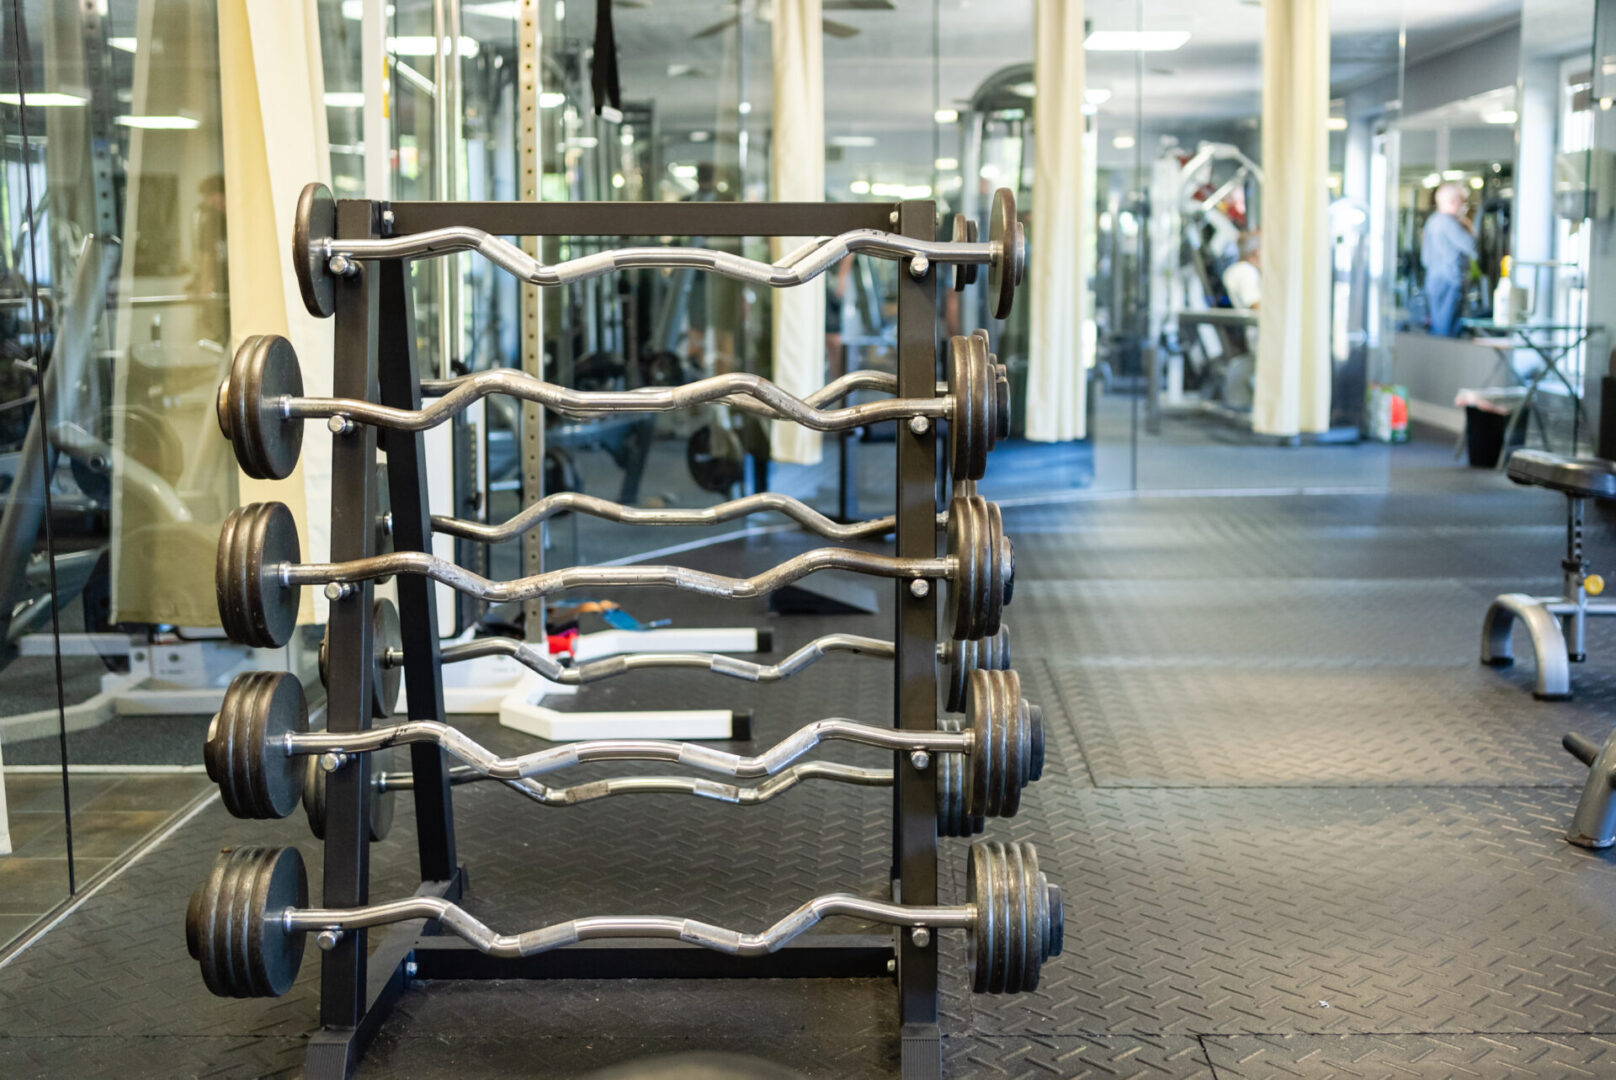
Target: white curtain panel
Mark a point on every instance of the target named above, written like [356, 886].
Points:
[275, 141]
[798, 167]
[1057, 277]
[1293, 333]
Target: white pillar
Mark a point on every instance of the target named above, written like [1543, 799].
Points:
[1058, 276]
[1293, 336]
[798, 170]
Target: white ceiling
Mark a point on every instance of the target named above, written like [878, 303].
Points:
[885, 80]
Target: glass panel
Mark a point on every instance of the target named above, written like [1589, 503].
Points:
[35, 872]
[126, 165]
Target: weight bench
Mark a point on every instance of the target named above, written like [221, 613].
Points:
[1557, 623]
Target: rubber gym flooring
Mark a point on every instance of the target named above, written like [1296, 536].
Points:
[1301, 832]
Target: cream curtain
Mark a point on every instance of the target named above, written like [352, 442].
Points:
[797, 164]
[173, 475]
[275, 141]
[1058, 275]
[1293, 335]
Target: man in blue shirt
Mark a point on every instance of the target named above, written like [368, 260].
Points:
[1446, 251]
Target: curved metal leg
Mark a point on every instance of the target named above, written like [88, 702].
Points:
[1553, 665]
[1594, 825]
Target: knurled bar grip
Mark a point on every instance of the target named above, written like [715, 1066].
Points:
[578, 794]
[462, 747]
[456, 920]
[472, 388]
[549, 667]
[596, 577]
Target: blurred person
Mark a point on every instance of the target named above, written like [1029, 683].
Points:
[1447, 248]
[210, 276]
[1243, 279]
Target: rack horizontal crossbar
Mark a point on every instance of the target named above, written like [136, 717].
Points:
[818, 956]
[617, 219]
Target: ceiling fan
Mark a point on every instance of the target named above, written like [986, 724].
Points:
[765, 11]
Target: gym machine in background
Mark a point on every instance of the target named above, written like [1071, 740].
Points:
[247, 923]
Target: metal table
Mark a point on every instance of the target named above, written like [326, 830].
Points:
[1552, 342]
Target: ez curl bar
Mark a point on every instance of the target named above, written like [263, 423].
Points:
[261, 407]
[319, 256]
[257, 573]
[257, 741]
[246, 924]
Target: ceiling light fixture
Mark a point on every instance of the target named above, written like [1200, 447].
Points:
[1336, 123]
[1503, 116]
[551, 99]
[1122, 141]
[422, 45]
[946, 164]
[160, 123]
[946, 116]
[1136, 40]
[45, 99]
[344, 99]
[852, 141]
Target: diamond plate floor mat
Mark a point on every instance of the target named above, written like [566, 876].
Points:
[1414, 1057]
[1239, 726]
[1318, 911]
[1258, 623]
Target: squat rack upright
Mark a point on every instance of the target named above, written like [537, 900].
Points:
[375, 359]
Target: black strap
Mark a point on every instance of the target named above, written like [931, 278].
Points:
[603, 66]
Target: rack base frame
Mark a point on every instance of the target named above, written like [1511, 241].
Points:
[374, 319]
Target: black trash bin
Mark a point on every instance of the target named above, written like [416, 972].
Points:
[1484, 434]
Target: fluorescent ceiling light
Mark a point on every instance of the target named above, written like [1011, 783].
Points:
[345, 99]
[1477, 182]
[45, 99]
[851, 141]
[901, 191]
[1024, 89]
[683, 172]
[160, 123]
[1122, 141]
[946, 116]
[700, 136]
[859, 187]
[496, 9]
[946, 164]
[1096, 95]
[1432, 180]
[422, 44]
[550, 99]
[1136, 40]
[1503, 116]
[122, 44]
[1336, 123]
[355, 10]
[989, 171]
[588, 142]
[1453, 174]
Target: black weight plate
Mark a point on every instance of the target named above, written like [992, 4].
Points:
[961, 271]
[315, 224]
[231, 980]
[279, 709]
[970, 426]
[275, 954]
[314, 798]
[264, 370]
[1004, 270]
[385, 678]
[716, 468]
[263, 612]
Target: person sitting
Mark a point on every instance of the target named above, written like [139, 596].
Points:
[1243, 279]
